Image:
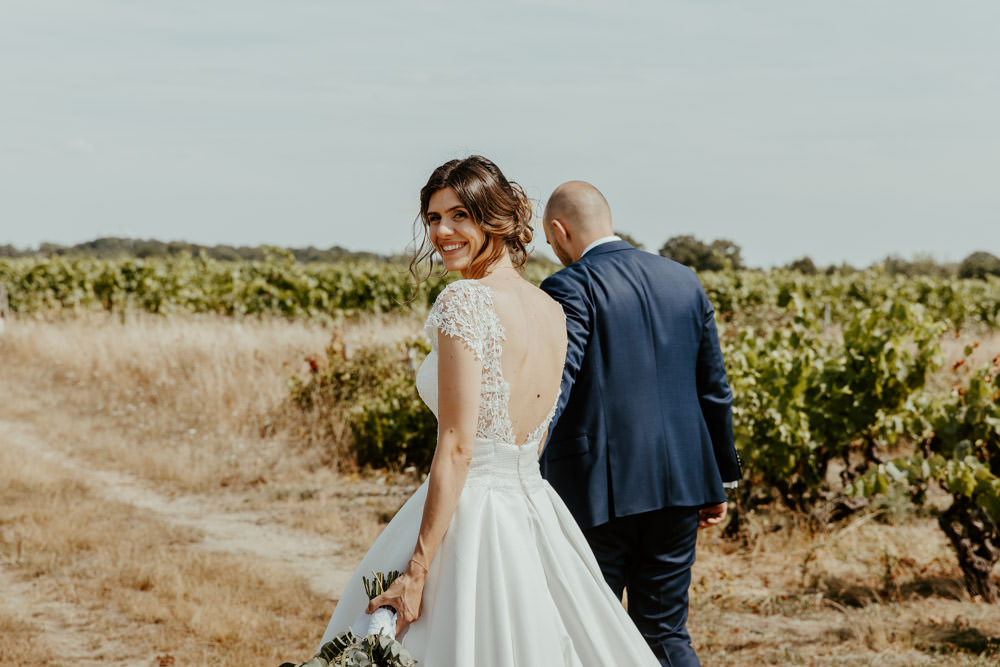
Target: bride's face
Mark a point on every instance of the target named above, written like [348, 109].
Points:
[452, 231]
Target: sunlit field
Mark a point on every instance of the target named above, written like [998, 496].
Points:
[158, 506]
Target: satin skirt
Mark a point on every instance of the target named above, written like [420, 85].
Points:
[514, 583]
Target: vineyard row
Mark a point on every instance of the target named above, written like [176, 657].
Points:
[281, 286]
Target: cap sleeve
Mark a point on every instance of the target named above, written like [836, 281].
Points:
[460, 311]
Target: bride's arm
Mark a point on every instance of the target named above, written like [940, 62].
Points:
[459, 379]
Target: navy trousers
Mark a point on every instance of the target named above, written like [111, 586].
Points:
[651, 555]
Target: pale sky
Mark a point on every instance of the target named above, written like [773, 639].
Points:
[846, 131]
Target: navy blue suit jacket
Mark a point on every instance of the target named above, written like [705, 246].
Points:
[644, 420]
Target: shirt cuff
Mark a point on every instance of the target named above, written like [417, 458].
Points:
[731, 485]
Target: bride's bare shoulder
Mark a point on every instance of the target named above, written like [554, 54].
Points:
[551, 305]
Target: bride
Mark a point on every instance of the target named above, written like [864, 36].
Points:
[496, 570]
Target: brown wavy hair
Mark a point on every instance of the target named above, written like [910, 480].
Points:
[500, 207]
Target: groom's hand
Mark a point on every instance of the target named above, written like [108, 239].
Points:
[711, 516]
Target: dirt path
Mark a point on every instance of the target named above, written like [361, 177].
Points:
[66, 627]
[245, 533]
[67, 632]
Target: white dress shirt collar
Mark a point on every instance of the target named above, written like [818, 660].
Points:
[600, 241]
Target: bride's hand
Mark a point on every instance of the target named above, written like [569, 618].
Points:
[405, 596]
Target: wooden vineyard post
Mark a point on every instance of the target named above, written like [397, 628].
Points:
[3, 307]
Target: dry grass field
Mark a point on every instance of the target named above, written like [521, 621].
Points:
[157, 508]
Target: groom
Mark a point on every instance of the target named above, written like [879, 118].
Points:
[643, 443]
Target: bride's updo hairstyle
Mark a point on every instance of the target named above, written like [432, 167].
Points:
[500, 207]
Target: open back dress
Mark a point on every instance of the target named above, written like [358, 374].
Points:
[514, 582]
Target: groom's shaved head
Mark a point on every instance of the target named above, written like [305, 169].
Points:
[581, 206]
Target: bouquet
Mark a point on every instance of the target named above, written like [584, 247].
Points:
[377, 648]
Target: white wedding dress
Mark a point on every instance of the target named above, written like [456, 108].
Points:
[514, 583]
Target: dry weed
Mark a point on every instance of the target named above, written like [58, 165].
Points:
[138, 584]
[194, 403]
[861, 593]
[21, 643]
[354, 508]
[985, 347]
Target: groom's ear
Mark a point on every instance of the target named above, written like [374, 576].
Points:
[561, 228]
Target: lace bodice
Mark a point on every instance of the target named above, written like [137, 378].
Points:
[465, 310]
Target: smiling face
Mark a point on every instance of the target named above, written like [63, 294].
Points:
[456, 237]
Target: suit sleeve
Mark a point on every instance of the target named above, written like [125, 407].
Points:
[715, 396]
[578, 311]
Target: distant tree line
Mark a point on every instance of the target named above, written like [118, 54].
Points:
[119, 248]
[722, 254]
[124, 248]
[977, 265]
